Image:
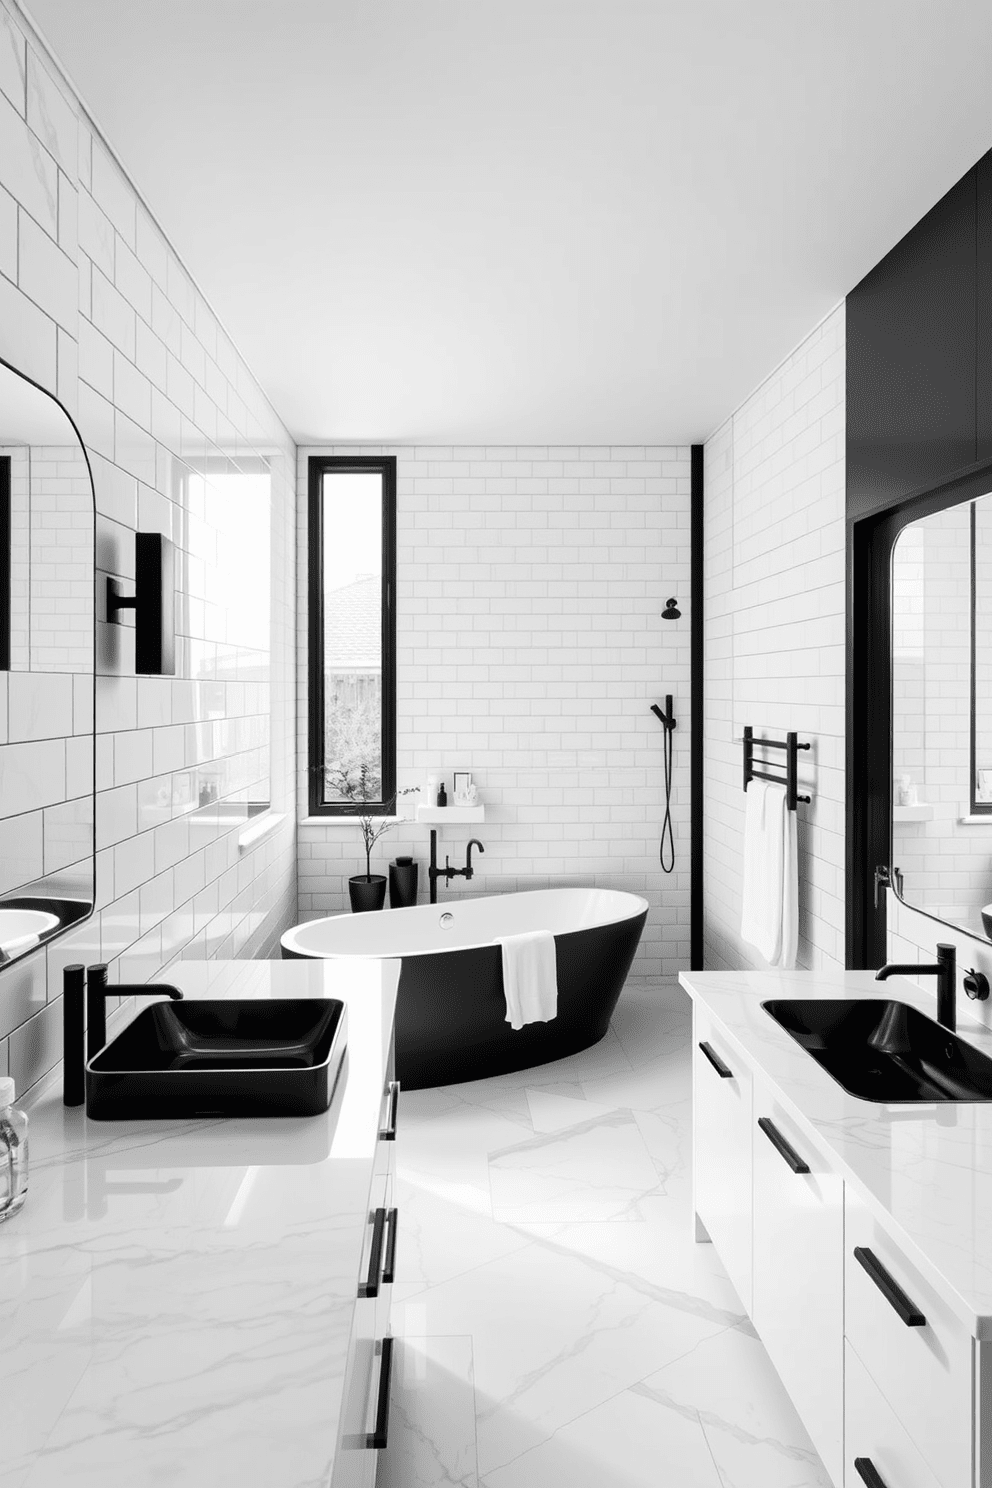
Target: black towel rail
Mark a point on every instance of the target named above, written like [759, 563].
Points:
[790, 779]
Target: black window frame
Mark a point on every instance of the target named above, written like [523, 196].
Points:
[318, 466]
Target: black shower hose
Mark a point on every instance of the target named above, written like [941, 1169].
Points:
[666, 828]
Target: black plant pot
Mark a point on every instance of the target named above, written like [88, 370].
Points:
[367, 891]
[402, 883]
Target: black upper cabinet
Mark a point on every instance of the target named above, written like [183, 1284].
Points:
[983, 306]
[912, 385]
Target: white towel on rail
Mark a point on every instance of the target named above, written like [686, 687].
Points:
[530, 977]
[770, 908]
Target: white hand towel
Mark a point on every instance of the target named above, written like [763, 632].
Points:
[790, 894]
[765, 832]
[530, 977]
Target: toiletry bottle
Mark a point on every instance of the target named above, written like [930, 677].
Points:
[13, 1152]
[430, 794]
[442, 795]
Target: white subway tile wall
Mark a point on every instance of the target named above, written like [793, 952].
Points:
[96, 306]
[530, 585]
[774, 591]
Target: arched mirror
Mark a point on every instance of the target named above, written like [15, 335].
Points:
[47, 539]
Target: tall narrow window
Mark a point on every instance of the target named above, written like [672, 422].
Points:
[352, 526]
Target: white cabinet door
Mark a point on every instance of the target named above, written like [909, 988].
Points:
[721, 1166]
[878, 1449]
[798, 1271]
[918, 1353]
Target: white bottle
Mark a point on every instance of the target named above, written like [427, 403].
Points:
[13, 1152]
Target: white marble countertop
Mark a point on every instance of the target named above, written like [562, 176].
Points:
[924, 1171]
[177, 1297]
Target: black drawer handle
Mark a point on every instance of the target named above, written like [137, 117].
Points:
[370, 1286]
[388, 1132]
[376, 1439]
[782, 1147]
[723, 1070]
[868, 1472]
[889, 1288]
[389, 1264]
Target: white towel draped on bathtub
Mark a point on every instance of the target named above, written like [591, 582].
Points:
[530, 977]
[770, 907]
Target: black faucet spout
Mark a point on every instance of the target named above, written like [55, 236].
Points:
[945, 971]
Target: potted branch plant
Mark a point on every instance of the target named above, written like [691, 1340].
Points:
[368, 890]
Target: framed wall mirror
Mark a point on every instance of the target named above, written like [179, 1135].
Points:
[47, 589]
[941, 714]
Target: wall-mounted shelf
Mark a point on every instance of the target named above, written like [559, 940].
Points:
[920, 812]
[453, 815]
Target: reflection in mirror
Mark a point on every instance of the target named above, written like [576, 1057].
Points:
[46, 687]
[226, 615]
[942, 714]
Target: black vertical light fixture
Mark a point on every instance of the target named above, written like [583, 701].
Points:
[153, 603]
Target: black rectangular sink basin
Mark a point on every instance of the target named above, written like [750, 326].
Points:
[881, 1050]
[252, 1057]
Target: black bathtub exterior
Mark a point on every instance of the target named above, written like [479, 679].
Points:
[451, 1012]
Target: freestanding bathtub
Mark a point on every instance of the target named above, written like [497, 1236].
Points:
[451, 1012]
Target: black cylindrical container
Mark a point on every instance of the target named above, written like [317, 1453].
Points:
[367, 891]
[402, 883]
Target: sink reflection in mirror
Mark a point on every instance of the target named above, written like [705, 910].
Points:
[47, 550]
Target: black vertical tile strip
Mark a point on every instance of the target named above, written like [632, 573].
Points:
[696, 715]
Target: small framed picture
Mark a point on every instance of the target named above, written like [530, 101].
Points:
[461, 784]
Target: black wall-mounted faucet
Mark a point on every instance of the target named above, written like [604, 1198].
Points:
[447, 872]
[94, 1001]
[946, 973]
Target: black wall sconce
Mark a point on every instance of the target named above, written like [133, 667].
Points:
[153, 603]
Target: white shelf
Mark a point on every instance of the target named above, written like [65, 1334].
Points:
[453, 815]
[922, 812]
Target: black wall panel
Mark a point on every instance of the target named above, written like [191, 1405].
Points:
[911, 359]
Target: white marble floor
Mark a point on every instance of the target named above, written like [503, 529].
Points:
[558, 1326]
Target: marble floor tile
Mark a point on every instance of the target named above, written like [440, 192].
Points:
[752, 1429]
[549, 1232]
[440, 1238]
[597, 1170]
[555, 1333]
[626, 1442]
[432, 1416]
[552, 1112]
[649, 1018]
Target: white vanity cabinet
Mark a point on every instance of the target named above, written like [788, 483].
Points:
[721, 1124]
[798, 1271]
[364, 1428]
[891, 1377]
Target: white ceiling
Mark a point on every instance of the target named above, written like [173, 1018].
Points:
[596, 221]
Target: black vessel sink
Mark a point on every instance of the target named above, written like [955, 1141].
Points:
[220, 1058]
[887, 1051]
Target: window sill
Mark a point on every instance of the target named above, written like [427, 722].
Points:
[336, 823]
[259, 829]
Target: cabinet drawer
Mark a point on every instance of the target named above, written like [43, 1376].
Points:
[798, 1272]
[721, 1139]
[875, 1438]
[924, 1369]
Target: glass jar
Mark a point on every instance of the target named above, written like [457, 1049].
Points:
[13, 1152]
